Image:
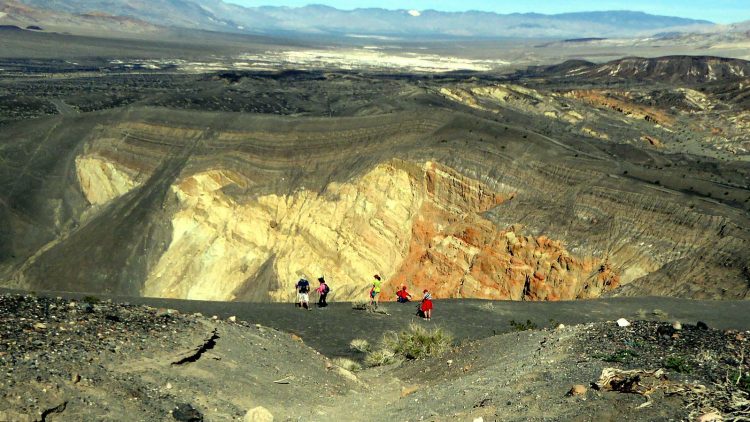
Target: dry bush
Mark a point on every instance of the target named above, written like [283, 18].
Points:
[361, 305]
[413, 343]
[347, 364]
[381, 357]
[360, 345]
[487, 306]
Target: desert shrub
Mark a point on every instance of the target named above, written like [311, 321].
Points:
[677, 364]
[347, 364]
[413, 343]
[361, 305]
[360, 345]
[659, 313]
[381, 357]
[487, 306]
[523, 326]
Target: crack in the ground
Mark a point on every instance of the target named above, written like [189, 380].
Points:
[207, 345]
[57, 409]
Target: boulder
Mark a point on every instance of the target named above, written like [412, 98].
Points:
[258, 414]
[577, 390]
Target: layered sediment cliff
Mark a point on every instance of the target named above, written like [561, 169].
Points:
[154, 204]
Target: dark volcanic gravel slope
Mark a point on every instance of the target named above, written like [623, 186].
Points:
[63, 359]
[75, 361]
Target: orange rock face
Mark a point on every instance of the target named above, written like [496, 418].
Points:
[455, 252]
[619, 101]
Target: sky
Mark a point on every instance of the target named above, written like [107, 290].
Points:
[719, 11]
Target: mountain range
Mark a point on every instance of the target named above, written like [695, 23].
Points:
[218, 15]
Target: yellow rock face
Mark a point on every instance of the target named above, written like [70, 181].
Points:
[414, 224]
[101, 180]
[347, 234]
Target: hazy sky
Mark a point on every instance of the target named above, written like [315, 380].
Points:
[721, 11]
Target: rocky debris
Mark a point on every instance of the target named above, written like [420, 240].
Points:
[680, 378]
[185, 412]
[622, 322]
[117, 360]
[577, 390]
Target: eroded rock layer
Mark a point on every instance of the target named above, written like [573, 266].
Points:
[237, 207]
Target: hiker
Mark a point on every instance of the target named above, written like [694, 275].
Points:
[303, 290]
[375, 291]
[425, 308]
[402, 296]
[322, 290]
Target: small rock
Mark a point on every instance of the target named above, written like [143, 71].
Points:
[665, 331]
[258, 414]
[677, 325]
[561, 326]
[214, 317]
[622, 322]
[169, 386]
[409, 390]
[75, 378]
[198, 315]
[710, 417]
[185, 412]
[577, 390]
[479, 419]
[449, 362]
[40, 326]
[232, 318]
[165, 312]
[702, 326]
[295, 337]
[347, 374]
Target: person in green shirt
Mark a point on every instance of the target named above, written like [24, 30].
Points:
[375, 291]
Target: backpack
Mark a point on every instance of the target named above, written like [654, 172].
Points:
[327, 289]
[303, 286]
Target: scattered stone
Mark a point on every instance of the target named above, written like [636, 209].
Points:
[701, 325]
[258, 414]
[75, 378]
[295, 337]
[677, 325]
[232, 318]
[409, 390]
[347, 374]
[577, 390]
[710, 417]
[215, 317]
[40, 326]
[622, 322]
[561, 326]
[449, 362]
[665, 331]
[479, 419]
[185, 412]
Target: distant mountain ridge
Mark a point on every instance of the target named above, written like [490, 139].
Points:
[325, 20]
[670, 69]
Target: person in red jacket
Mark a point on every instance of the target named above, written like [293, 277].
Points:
[426, 306]
[402, 295]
